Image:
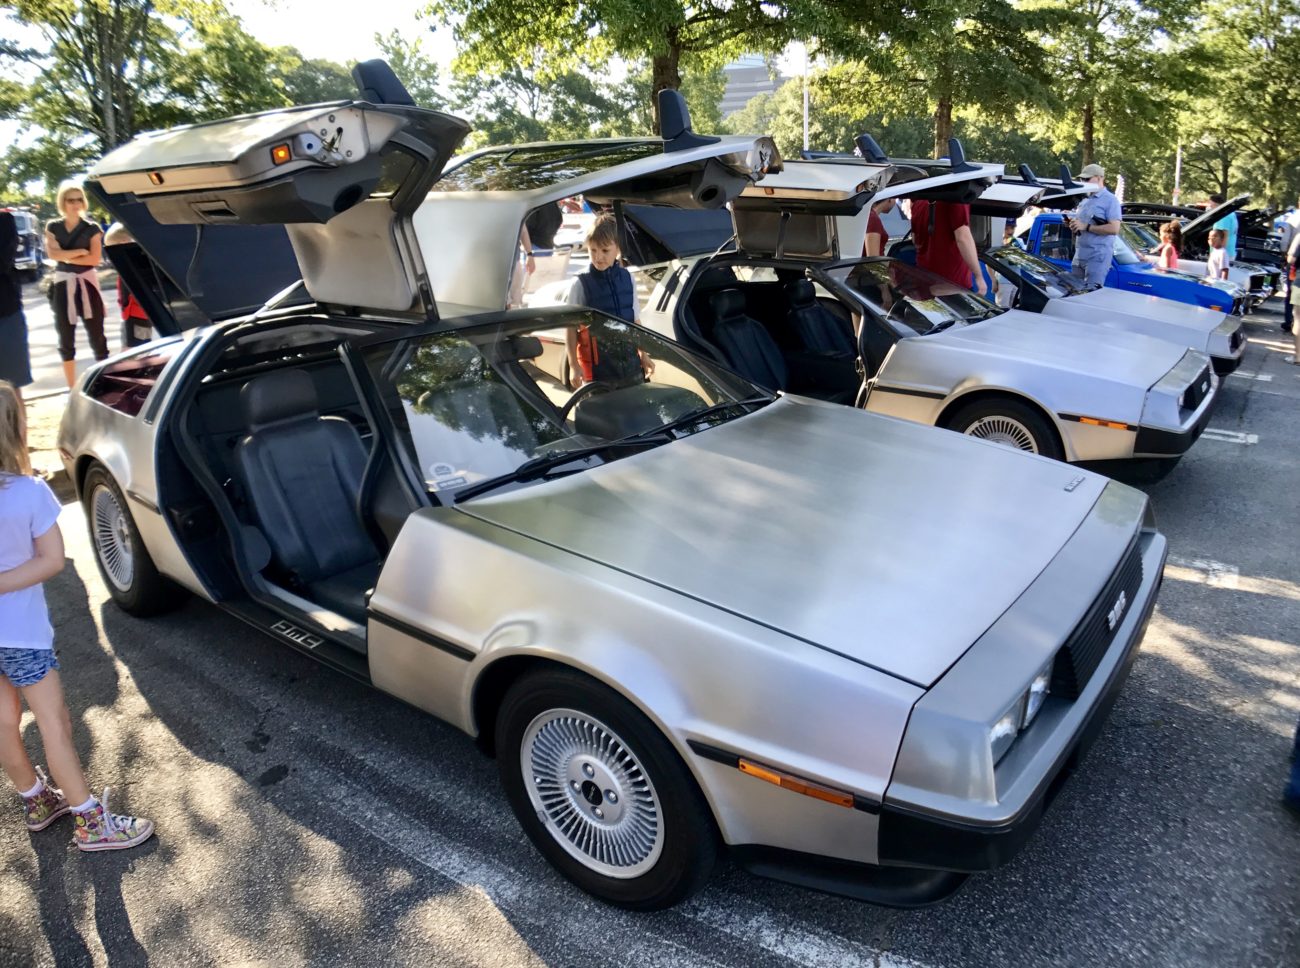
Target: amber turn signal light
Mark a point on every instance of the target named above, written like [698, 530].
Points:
[792, 783]
[280, 154]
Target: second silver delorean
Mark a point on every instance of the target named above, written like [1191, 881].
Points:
[686, 615]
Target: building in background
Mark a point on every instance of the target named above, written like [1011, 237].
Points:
[747, 77]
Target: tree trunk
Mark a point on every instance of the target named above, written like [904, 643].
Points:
[665, 73]
[1225, 168]
[942, 126]
[1089, 112]
[104, 56]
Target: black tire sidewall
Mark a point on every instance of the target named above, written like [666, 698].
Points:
[149, 592]
[1042, 431]
[690, 846]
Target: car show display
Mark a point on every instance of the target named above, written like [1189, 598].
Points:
[689, 605]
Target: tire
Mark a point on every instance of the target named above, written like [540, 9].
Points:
[660, 850]
[128, 572]
[1012, 423]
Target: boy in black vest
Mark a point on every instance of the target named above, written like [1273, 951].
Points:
[608, 287]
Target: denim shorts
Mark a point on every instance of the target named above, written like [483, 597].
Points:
[26, 667]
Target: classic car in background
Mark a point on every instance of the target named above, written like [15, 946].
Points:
[30, 259]
[411, 497]
[1050, 238]
[1256, 281]
[1256, 240]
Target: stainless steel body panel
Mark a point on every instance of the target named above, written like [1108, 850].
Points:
[839, 564]
[639, 638]
[1207, 330]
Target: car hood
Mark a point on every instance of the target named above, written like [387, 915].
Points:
[889, 543]
[1120, 358]
[1194, 319]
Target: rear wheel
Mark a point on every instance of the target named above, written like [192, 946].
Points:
[124, 563]
[1011, 423]
[601, 793]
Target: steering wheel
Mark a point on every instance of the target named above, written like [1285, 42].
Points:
[580, 394]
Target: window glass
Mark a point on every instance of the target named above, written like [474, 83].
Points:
[1057, 242]
[540, 166]
[476, 404]
[1052, 280]
[917, 299]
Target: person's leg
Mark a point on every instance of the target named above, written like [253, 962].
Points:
[93, 319]
[1096, 272]
[45, 698]
[67, 335]
[13, 755]
[22, 414]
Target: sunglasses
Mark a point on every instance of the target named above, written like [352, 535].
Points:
[73, 198]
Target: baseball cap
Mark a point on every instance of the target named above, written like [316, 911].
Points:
[1092, 171]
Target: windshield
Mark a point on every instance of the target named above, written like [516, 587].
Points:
[478, 404]
[1139, 236]
[1124, 254]
[902, 293]
[1055, 282]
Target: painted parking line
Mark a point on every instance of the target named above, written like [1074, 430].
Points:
[601, 927]
[1261, 377]
[1202, 571]
[1229, 436]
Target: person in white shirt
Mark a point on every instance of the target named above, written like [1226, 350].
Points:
[1216, 266]
[1288, 232]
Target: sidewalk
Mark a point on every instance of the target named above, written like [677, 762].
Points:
[43, 416]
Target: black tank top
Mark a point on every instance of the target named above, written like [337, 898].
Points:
[78, 238]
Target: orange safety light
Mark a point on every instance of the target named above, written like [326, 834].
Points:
[155, 178]
[1105, 423]
[792, 783]
[281, 154]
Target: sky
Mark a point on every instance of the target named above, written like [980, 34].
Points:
[298, 23]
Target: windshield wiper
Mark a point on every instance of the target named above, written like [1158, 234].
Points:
[540, 466]
[695, 416]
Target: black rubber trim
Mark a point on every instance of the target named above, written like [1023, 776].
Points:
[900, 887]
[909, 392]
[727, 758]
[451, 648]
[1078, 418]
[1223, 365]
[143, 501]
[1152, 442]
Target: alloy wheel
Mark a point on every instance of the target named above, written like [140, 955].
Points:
[1004, 430]
[112, 537]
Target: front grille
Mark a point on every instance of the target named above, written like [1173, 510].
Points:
[1197, 391]
[1082, 652]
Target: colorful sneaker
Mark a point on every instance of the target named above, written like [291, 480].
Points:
[98, 829]
[47, 806]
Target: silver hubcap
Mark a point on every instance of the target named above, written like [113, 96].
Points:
[1004, 430]
[591, 793]
[112, 538]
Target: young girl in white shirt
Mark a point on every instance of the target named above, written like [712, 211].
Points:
[31, 552]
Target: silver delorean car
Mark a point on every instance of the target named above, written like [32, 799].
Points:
[685, 614]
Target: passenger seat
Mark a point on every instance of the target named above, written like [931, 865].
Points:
[747, 347]
[819, 329]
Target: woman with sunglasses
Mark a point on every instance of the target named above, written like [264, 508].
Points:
[76, 244]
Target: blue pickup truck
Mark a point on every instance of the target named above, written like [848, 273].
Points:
[1051, 239]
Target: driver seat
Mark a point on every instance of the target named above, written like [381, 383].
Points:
[302, 475]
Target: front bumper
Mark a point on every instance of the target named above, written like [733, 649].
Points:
[911, 838]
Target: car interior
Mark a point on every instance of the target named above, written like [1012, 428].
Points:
[770, 325]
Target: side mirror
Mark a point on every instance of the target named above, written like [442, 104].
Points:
[377, 84]
[957, 156]
[1066, 180]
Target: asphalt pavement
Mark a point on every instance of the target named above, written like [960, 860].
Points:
[304, 819]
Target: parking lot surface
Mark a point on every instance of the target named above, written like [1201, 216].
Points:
[304, 819]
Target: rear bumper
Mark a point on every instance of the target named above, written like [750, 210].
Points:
[1223, 365]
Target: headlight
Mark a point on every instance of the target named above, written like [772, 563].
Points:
[1037, 694]
[1003, 733]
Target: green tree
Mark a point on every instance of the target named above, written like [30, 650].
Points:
[559, 36]
[953, 55]
[413, 68]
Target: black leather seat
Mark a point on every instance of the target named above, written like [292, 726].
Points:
[819, 329]
[302, 474]
[748, 348]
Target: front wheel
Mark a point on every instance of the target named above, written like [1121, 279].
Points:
[124, 563]
[1011, 423]
[601, 793]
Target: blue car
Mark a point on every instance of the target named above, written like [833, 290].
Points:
[1051, 239]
